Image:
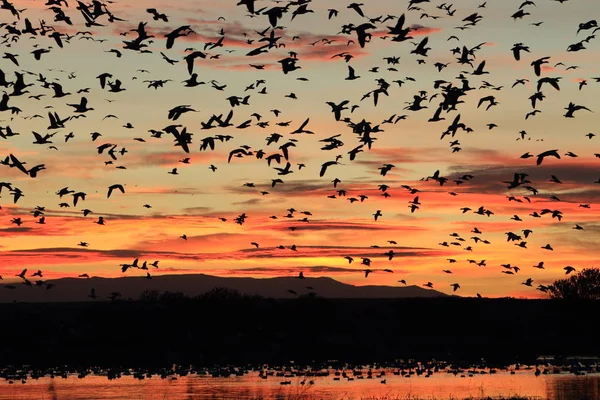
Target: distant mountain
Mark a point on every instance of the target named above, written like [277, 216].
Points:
[78, 289]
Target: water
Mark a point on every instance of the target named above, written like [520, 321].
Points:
[441, 386]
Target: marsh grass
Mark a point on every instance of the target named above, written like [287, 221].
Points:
[390, 397]
[306, 396]
[303, 392]
[410, 397]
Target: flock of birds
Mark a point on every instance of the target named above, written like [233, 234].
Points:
[23, 77]
[306, 375]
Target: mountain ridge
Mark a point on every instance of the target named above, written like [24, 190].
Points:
[79, 289]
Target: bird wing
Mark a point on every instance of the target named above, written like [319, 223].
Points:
[323, 169]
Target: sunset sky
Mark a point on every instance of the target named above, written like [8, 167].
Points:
[191, 202]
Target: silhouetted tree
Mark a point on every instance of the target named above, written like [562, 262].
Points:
[149, 295]
[584, 285]
[173, 296]
[221, 293]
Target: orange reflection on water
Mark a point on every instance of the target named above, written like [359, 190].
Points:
[440, 386]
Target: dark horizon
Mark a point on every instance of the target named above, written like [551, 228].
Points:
[224, 327]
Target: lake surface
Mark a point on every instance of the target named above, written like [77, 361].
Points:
[440, 385]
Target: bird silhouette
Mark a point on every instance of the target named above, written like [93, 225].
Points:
[115, 187]
[547, 153]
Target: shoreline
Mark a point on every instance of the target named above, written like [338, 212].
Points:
[252, 330]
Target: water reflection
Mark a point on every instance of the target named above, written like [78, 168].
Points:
[52, 391]
[252, 387]
[565, 388]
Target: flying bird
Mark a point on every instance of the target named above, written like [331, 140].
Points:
[115, 187]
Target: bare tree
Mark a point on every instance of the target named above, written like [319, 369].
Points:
[584, 285]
